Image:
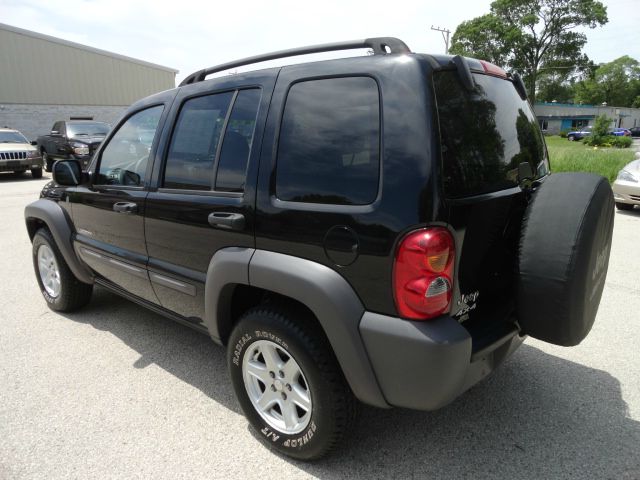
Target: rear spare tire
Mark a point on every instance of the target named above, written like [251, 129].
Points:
[564, 256]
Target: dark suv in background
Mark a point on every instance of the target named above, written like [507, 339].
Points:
[381, 228]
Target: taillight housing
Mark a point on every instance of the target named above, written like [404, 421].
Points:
[423, 273]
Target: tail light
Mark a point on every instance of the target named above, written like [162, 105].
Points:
[491, 69]
[423, 273]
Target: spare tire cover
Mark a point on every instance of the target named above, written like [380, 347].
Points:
[564, 256]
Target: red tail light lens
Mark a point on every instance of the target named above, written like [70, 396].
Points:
[491, 69]
[423, 273]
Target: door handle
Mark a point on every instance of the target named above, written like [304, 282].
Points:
[230, 221]
[125, 207]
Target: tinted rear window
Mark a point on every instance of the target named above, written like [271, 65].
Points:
[328, 150]
[485, 135]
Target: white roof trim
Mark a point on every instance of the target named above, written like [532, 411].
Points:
[67, 43]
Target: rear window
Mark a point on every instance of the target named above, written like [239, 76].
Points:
[485, 134]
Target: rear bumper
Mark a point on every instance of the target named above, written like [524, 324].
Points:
[426, 365]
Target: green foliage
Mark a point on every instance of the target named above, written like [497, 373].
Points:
[527, 35]
[563, 133]
[621, 142]
[616, 82]
[576, 157]
[601, 126]
[553, 87]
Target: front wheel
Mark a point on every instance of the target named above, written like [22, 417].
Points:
[36, 172]
[288, 382]
[571, 138]
[60, 288]
[47, 161]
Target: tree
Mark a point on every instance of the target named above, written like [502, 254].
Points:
[530, 35]
[616, 82]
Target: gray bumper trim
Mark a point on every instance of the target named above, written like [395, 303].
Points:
[426, 365]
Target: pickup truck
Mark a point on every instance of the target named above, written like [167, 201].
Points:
[71, 140]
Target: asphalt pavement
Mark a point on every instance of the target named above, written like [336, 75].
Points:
[115, 391]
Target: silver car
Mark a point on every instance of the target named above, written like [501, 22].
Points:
[626, 188]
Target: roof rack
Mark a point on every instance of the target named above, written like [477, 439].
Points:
[379, 45]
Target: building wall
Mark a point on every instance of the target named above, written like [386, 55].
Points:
[560, 116]
[42, 70]
[36, 120]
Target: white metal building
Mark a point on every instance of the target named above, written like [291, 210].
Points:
[556, 117]
[45, 79]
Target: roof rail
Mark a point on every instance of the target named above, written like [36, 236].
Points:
[379, 45]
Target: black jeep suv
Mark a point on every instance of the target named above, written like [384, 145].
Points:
[381, 228]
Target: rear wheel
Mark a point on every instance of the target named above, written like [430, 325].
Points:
[60, 288]
[624, 206]
[571, 138]
[288, 382]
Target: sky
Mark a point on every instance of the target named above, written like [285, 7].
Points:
[189, 35]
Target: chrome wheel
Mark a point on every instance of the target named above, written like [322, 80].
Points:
[49, 271]
[276, 387]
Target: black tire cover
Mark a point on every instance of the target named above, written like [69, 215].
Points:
[564, 256]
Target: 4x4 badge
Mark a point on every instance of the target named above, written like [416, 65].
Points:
[467, 302]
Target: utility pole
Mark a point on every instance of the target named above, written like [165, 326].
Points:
[445, 38]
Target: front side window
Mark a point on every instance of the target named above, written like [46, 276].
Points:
[328, 149]
[124, 160]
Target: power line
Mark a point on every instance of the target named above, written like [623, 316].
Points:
[446, 39]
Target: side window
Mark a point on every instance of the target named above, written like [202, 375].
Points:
[237, 142]
[195, 141]
[124, 160]
[328, 150]
[58, 127]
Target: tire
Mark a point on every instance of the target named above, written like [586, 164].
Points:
[571, 138]
[47, 161]
[36, 172]
[564, 256]
[624, 206]
[326, 408]
[62, 291]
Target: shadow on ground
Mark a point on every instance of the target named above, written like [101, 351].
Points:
[19, 177]
[538, 416]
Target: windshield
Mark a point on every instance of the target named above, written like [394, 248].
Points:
[87, 128]
[485, 134]
[12, 137]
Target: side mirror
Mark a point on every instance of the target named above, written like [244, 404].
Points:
[55, 133]
[34, 143]
[67, 173]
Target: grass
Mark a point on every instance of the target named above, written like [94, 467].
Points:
[566, 156]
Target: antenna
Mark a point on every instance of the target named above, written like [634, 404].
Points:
[445, 38]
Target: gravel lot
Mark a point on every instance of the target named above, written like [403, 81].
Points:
[115, 391]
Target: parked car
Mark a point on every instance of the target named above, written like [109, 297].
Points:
[74, 139]
[382, 228]
[626, 188]
[579, 134]
[17, 154]
[635, 131]
[620, 132]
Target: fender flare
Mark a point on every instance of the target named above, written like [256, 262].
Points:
[325, 292]
[57, 221]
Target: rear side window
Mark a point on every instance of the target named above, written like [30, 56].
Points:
[195, 141]
[328, 149]
[485, 135]
[237, 143]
